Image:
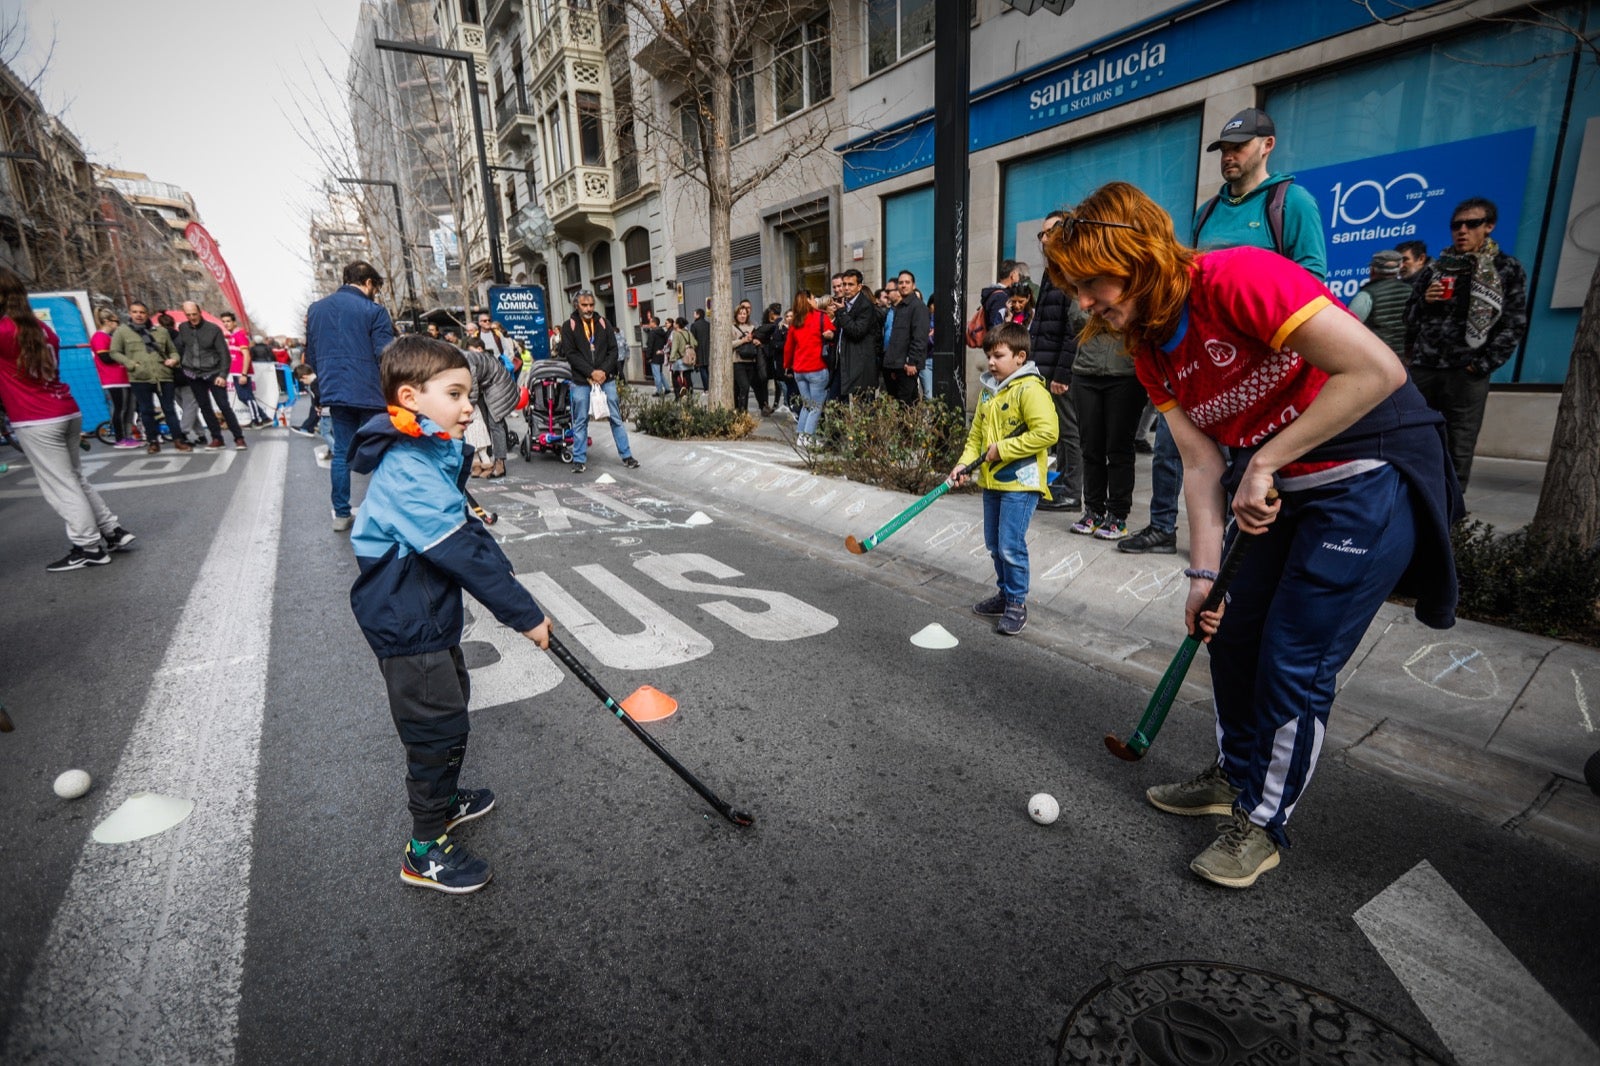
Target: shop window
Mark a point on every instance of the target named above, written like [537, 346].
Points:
[591, 133]
[801, 73]
[636, 254]
[908, 235]
[1454, 88]
[1160, 157]
[895, 29]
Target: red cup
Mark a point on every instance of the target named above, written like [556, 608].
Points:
[1447, 286]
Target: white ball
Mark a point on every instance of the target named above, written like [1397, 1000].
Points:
[72, 784]
[1043, 808]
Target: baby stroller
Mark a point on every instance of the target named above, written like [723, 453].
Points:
[549, 410]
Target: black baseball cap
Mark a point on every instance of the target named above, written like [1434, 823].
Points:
[1247, 125]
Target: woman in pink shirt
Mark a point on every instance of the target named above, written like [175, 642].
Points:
[113, 378]
[48, 424]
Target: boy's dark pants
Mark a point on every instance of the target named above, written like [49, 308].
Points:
[428, 698]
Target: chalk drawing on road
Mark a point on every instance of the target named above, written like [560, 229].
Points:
[1147, 586]
[626, 542]
[856, 508]
[725, 469]
[801, 489]
[1068, 568]
[1455, 669]
[949, 534]
[825, 499]
[781, 481]
[979, 551]
[748, 476]
[644, 553]
[1583, 702]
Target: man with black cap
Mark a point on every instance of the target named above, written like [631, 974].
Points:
[1254, 209]
[1381, 302]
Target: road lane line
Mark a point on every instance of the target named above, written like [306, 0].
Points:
[145, 955]
[1484, 1004]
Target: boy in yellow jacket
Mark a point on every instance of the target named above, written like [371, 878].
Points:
[1015, 469]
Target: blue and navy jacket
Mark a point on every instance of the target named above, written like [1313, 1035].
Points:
[346, 333]
[418, 547]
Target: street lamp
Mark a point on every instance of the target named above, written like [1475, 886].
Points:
[405, 245]
[491, 206]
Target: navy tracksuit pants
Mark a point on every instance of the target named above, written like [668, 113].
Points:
[1297, 609]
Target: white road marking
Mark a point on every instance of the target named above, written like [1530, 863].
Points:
[522, 672]
[785, 618]
[144, 958]
[664, 641]
[1583, 702]
[1484, 1004]
[616, 506]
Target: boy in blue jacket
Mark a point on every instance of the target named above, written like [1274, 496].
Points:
[418, 548]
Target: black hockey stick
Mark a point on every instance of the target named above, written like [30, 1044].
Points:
[579, 671]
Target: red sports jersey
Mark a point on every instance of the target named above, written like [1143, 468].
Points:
[239, 352]
[1227, 365]
[28, 400]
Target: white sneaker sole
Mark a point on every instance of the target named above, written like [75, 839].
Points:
[1269, 863]
[426, 882]
[1223, 809]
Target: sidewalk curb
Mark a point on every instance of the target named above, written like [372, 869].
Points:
[1492, 720]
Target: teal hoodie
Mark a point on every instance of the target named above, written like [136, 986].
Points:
[1245, 225]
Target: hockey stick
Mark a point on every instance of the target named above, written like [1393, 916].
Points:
[1155, 712]
[861, 547]
[488, 518]
[579, 671]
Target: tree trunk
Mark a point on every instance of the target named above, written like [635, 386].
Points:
[1569, 501]
[719, 206]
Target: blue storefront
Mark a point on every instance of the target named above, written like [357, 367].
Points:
[1388, 140]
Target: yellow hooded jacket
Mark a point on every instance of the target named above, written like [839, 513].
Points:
[1024, 465]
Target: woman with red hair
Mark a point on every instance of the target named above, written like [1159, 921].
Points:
[48, 425]
[1245, 350]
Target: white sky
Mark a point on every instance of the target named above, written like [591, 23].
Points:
[199, 93]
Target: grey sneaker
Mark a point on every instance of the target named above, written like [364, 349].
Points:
[1241, 854]
[1209, 793]
[342, 522]
[993, 607]
[1013, 620]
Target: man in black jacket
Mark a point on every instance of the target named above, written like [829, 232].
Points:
[205, 363]
[589, 345]
[700, 330]
[905, 338]
[860, 338]
[1055, 346]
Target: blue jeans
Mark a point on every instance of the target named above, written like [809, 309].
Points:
[346, 420]
[1166, 479]
[659, 372]
[1296, 611]
[1005, 530]
[580, 420]
[813, 393]
[925, 375]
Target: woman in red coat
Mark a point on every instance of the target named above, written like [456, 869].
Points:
[802, 356]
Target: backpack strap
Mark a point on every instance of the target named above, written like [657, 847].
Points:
[1275, 198]
[1200, 219]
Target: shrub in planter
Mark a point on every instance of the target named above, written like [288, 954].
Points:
[1538, 583]
[877, 440]
[685, 418]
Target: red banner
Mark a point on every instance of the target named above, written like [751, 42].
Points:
[211, 256]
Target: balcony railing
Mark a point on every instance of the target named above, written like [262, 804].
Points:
[568, 27]
[579, 190]
[513, 116]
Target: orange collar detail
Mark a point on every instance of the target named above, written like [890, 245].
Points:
[406, 422]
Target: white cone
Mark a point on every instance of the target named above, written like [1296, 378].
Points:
[699, 518]
[141, 815]
[605, 479]
[934, 636]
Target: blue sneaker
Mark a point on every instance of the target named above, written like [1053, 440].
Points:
[467, 804]
[444, 868]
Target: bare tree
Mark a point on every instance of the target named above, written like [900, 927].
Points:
[704, 49]
[1569, 499]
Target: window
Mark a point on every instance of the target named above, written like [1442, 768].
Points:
[636, 254]
[555, 143]
[591, 135]
[689, 132]
[469, 11]
[801, 75]
[742, 123]
[572, 269]
[895, 29]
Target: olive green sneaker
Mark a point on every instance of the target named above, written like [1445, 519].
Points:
[1241, 854]
[1210, 793]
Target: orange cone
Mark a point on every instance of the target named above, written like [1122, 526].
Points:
[647, 704]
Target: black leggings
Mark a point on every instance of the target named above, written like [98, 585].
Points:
[1108, 413]
[121, 397]
[747, 378]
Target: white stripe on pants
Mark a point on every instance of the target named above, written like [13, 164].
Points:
[52, 448]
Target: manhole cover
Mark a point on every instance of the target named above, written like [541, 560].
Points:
[1209, 1014]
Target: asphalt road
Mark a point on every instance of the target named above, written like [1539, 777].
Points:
[892, 903]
